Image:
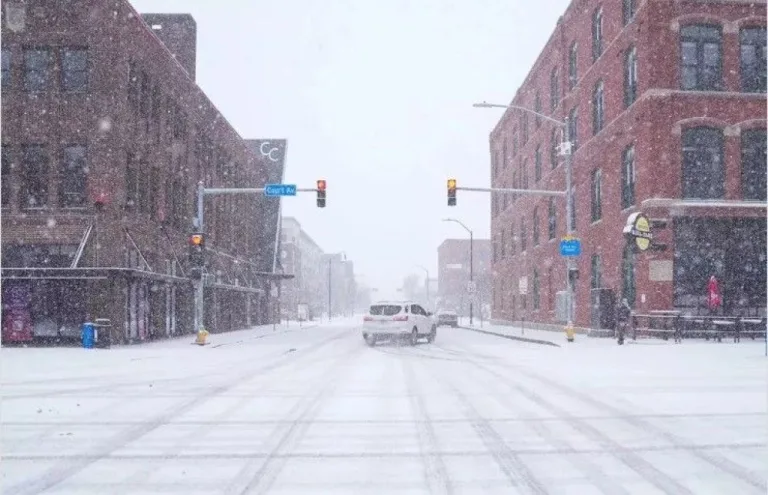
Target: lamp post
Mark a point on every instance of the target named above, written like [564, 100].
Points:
[565, 149]
[330, 263]
[471, 264]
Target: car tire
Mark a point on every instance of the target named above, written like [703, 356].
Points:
[414, 336]
[432, 334]
[370, 341]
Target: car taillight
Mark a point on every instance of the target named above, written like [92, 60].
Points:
[400, 318]
[368, 318]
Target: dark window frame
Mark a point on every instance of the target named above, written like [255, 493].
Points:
[536, 238]
[598, 108]
[628, 177]
[703, 164]
[6, 60]
[537, 163]
[70, 82]
[554, 89]
[596, 272]
[39, 177]
[596, 202]
[628, 11]
[45, 74]
[6, 176]
[537, 108]
[536, 290]
[573, 65]
[630, 76]
[73, 177]
[573, 128]
[753, 79]
[597, 33]
[554, 157]
[523, 236]
[552, 219]
[708, 77]
[753, 160]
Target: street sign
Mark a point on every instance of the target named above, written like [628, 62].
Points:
[471, 287]
[280, 190]
[570, 246]
[522, 286]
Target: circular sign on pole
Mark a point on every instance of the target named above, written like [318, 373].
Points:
[638, 227]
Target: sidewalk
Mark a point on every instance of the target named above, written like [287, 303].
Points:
[543, 337]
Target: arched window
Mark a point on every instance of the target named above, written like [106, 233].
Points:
[703, 164]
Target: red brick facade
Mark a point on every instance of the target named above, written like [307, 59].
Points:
[653, 124]
[149, 135]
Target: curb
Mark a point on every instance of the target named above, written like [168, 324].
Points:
[512, 337]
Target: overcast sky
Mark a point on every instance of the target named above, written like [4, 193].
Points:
[376, 97]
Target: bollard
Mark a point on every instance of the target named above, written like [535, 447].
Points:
[569, 332]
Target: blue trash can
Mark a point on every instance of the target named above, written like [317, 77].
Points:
[88, 334]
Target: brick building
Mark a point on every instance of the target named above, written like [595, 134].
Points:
[453, 275]
[105, 136]
[665, 105]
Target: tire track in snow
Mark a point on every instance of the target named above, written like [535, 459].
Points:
[70, 467]
[437, 477]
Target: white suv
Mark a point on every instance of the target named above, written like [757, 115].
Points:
[395, 320]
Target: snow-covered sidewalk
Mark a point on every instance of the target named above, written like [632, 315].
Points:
[518, 332]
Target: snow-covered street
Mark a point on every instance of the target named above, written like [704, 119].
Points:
[315, 410]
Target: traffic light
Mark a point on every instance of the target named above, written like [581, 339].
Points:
[196, 254]
[451, 192]
[321, 193]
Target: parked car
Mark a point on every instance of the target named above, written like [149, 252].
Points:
[447, 318]
[391, 320]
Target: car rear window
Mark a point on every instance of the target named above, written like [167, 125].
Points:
[385, 309]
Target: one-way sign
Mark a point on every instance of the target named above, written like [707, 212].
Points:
[280, 190]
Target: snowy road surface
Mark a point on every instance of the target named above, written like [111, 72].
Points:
[317, 411]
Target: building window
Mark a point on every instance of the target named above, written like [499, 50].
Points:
[5, 57]
[628, 274]
[37, 69]
[630, 77]
[512, 241]
[628, 10]
[552, 223]
[573, 129]
[524, 128]
[553, 144]
[598, 108]
[554, 89]
[524, 174]
[597, 34]
[597, 195]
[502, 243]
[495, 167]
[537, 163]
[628, 177]
[703, 166]
[504, 152]
[74, 69]
[753, 59]
[537, 108]
[597, 272]
[753, 160]
[701, 50]
[515, 142]
[573, 69]
[131, 181]
[536, 290]
[523, 236]
[34, 185]
[536, 226]
[505, 201]
[144, 94]
[73, 177]
[515, 185]
[5, 180]
[154, 193]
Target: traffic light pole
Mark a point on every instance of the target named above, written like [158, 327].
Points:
[202, 191]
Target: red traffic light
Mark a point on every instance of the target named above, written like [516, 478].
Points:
[321, 185]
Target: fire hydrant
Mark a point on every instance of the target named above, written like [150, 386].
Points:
[569, 333]
[202, 337]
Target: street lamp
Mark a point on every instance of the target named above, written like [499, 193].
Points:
[565, 149]
[471, 263]
[426, 284]
[330, 263]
